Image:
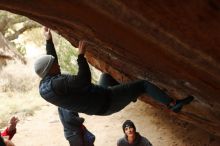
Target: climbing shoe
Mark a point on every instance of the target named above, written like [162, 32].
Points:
[180, 103]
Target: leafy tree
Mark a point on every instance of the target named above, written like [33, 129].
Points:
[67, 55]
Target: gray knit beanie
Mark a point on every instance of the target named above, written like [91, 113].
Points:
[43, 64]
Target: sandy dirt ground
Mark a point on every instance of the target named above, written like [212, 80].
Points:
[45, 129]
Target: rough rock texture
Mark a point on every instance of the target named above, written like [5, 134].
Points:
[174, 44]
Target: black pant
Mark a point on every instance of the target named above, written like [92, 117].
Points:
[122, 94]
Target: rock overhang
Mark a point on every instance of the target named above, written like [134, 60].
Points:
[173, 44]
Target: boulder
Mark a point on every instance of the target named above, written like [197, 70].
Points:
[173, 44]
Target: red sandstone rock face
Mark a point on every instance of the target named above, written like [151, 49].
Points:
[174, 44]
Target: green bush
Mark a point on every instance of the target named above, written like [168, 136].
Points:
[67, 55]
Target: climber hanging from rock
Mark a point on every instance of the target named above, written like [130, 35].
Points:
[77, 93]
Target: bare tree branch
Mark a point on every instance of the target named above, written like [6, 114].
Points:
[27, 26]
